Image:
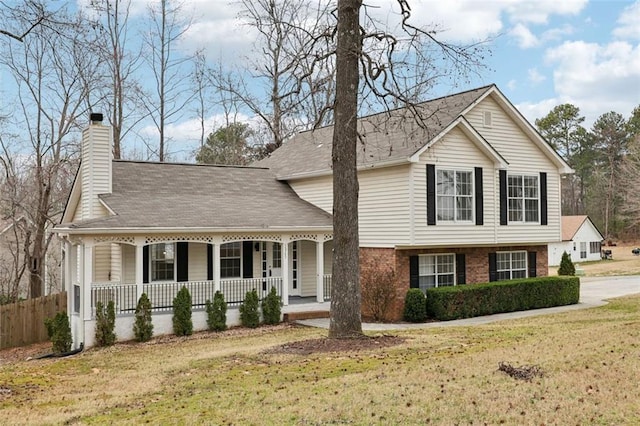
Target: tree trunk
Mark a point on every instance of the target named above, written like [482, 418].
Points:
[345, 320]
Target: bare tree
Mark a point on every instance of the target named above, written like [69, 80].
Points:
[23, 19]
[171, 92]
[50, 70]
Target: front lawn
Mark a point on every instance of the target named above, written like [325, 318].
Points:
[589, 361]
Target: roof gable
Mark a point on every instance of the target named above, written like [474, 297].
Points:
[572, 224]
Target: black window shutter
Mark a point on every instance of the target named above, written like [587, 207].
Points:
[247, 259]
[493, 267]
[503, 197]
[209, 262]
[431, 194]
[479, 196]
[182, 261]
[145, 264]
[532, 263]
[414, 272]
[461, 269]
[543, 198]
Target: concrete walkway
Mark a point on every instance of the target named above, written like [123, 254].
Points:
[594, 291]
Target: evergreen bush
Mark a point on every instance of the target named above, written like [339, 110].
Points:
[59, 332]
[143, 326]
[415, 308]
[217, 313]
[182, 324]
[566, 265]
[272, 307]
[105, 324]
[249, 313]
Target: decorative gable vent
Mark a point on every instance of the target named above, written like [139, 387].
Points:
[488, 118]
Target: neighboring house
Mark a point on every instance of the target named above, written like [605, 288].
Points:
[470, 195]
[12, 259]
[580, 238]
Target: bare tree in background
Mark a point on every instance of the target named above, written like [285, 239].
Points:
[20, 20]
[172, 92]
[51, 72]
[124, 94]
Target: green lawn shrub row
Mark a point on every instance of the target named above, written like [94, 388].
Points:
[466, 301]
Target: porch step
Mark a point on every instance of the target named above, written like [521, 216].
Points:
[295, 316]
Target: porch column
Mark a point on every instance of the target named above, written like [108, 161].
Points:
[139, 241]
[216, 263]
[68, 282]
[320, 268]
[87, 277]
[285, 270]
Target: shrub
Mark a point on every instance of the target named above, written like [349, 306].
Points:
[566, 265]
[249, 314]
[59, 332]
[182, 324]
[217, 313]
[415, 306]
[378, 291]
[271, 307]
[105, 324]
[143, 326]
[466, 301]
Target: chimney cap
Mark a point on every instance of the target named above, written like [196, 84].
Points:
[96, 117]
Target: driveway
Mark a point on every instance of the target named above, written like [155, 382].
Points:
[594, 291]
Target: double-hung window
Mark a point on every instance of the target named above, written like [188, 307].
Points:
[436, 270]
[594, 247]
[230, 260]
[511, 265]
[523, 198]
[162, 262]
[454, 192]
[583, 250]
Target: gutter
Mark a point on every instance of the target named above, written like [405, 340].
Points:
[320, 173]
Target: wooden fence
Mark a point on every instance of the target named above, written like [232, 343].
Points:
[22, 323]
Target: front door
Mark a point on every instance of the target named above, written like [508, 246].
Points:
[271, 254]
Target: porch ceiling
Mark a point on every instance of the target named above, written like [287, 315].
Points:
[165, 195]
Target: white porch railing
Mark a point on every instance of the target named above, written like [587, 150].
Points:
[326, 286]
[161, 294]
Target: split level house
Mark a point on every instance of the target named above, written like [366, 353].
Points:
[468, 194]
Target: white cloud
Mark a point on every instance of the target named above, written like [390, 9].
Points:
[524, 36]
[533, 110]
[512, 84]
[535, 76]
[538, 12]
[629, 22]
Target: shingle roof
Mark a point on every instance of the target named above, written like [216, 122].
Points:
[570, 225]
[385, 137]
[166, 195]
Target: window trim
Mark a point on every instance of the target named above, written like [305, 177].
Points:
[231, 257]
[436, 255]
[151, 263]
[511, 270]
[471, 196]
[524, 199]
[596, 244]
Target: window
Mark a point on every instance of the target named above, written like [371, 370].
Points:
[277, 255]
[511, 265]
[162, 262]
[594, 247]
[230, 260]
[523, 198]
[436, 270]
[454, 191]
[583, 250]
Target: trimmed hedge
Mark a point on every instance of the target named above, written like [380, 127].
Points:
[466, 301]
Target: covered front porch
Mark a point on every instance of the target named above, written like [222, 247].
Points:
[120, 268]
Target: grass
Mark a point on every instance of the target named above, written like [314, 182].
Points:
[624, 263]
[590, 359]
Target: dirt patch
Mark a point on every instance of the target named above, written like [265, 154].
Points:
[324, 345]
[13, 355]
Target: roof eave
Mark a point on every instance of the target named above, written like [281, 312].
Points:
[329, 172]
[169, 230]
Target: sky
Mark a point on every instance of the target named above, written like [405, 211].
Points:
[544, 52]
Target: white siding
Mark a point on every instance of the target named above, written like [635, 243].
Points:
[95, 169]
[328, 257]
[307, 273]
[129, 264]
[383, 206]
[455, 151]
[524, 157]
[101, 263]
[116, 262]
[197, 262]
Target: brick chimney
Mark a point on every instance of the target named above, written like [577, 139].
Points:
[95, 166]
